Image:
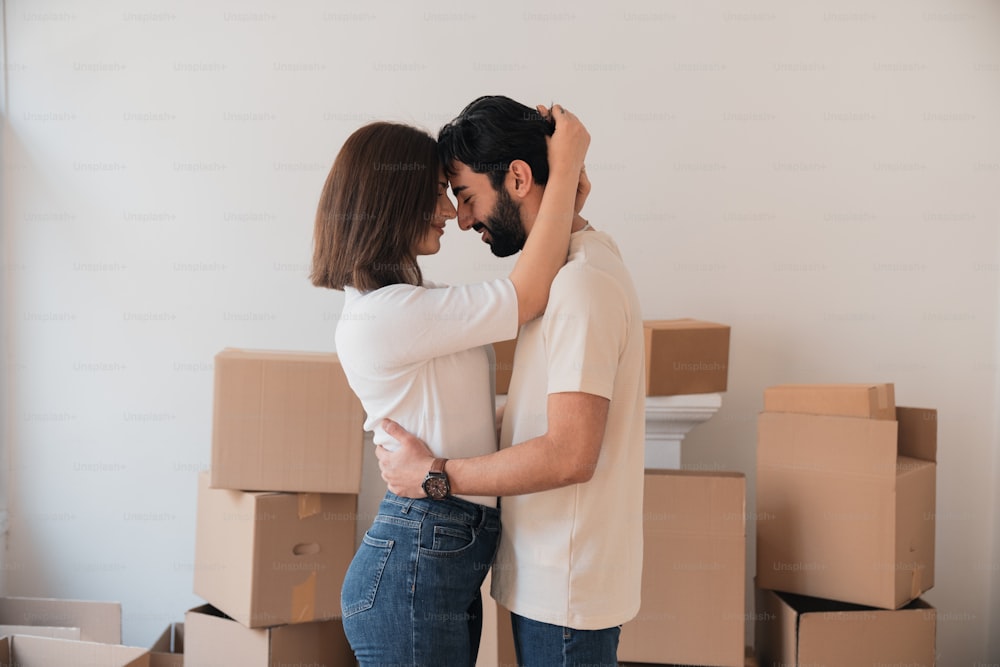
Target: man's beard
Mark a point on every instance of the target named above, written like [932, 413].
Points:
[504, 224]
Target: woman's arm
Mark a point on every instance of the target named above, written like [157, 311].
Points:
[546, 248]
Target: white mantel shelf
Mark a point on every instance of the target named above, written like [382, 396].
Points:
[668, 420]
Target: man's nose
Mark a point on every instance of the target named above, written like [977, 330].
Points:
[465, 219]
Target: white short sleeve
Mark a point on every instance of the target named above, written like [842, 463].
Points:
[585, 328]
[404, 324]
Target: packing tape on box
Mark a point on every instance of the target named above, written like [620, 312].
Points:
[310, 504]
[915, 581]
[304, 600]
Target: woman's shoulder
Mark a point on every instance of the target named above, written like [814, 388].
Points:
[387, 293]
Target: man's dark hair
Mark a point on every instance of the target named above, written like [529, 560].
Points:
[493, 131]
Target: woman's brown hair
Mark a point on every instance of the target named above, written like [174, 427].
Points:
[377, 203]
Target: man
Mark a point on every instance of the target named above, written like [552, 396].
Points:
[570, 559]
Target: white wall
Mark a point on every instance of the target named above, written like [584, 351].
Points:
[4, 360]
[821, 176]
[993, 564]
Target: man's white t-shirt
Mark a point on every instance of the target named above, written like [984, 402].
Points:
[421, 356]
[573, 556]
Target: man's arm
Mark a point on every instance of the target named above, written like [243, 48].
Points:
[566, 454]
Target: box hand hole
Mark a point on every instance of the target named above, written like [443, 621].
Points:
[305, 549]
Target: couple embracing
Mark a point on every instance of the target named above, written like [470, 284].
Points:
[554, 500]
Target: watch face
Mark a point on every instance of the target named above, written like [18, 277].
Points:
[436, 487]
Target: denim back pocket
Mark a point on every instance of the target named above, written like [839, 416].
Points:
[364, 575]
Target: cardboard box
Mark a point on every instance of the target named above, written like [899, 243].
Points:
[212, 639]
[93, 621]
[694, 571]
[749, 660]
[285, 421]
[168, 649]
[28, 651]
[793, 630]
[273, 558]
[40, 631]
[872, 401]
[686, 357]
[845, 506]
[504, 364]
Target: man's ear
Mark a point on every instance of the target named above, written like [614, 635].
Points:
[519, 179]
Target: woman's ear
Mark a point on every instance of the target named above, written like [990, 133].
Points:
[520, 179]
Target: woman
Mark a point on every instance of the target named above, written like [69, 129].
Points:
[419, 353]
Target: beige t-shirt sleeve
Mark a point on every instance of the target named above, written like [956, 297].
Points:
[584, 328]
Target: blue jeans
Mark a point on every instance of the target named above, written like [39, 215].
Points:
[540, 644]
[411, 595]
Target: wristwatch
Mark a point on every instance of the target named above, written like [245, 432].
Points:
[436, 484]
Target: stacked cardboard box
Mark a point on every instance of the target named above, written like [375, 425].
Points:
[277, 513]
[683, 356]
[694, 571]
[285, 421]
[799, 630]
[216, 640]
[845, 530]
[686, 356]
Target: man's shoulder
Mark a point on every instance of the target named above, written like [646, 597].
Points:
[594, 258]
[595, 250]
